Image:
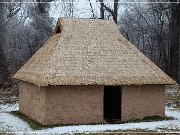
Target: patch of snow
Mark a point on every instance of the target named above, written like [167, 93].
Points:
[9, 107]
[109, 127]
[173, 112]
[10, 123]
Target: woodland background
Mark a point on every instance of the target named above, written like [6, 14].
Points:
[153, 26]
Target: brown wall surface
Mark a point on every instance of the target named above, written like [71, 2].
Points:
[143, 100]
[32, 101]
[74, 104]
[62, 104]
[84, 104]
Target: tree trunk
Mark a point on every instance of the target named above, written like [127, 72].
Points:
[4, 72]
[175, 42]
[115, 11]
[101, 9]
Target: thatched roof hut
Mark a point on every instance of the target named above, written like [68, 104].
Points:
[90, 52]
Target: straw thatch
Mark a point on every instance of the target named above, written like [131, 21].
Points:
[89, 52]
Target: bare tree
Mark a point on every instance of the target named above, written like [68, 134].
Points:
[41, 25]
[7, 12]
[67, 7]
[93, 15]
[4, 73]
[113, 12]
[147, 27]
[175, 41]
[101, 9]
[26, 29]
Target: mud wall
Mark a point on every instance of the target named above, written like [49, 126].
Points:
[143, 100]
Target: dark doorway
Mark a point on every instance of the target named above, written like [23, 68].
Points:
[112, 103]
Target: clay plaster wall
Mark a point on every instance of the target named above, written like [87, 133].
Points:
[62, 104]
[143, 100]
[84, 104]
[32, 101]
[74, 104]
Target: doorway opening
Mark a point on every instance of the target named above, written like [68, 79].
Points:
[112, 103]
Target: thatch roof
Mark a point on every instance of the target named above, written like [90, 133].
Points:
[89, 52]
